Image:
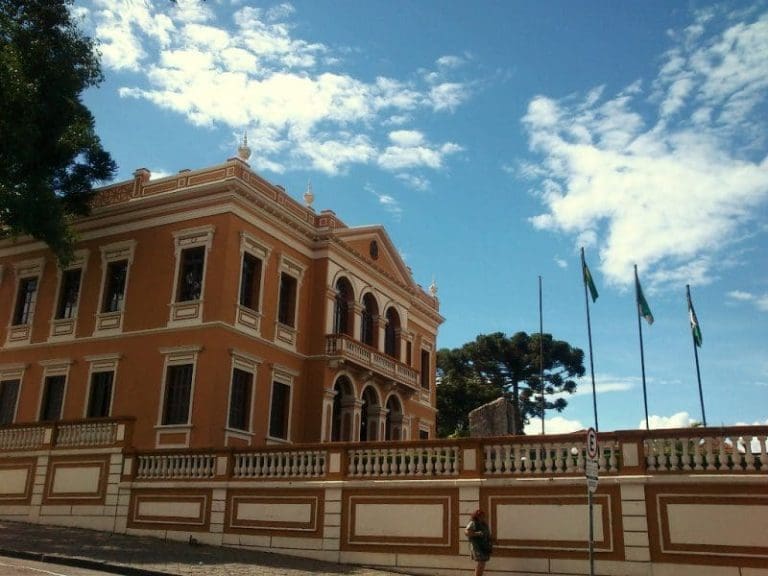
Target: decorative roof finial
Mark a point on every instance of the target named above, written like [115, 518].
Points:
[243, 151]
[309, 196]
[433, 288]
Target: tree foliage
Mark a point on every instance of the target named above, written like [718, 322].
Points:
[495, 365]
[50, 155]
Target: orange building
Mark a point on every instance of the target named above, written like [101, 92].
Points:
[217, 311]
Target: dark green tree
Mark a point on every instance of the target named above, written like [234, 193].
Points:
[459, 391]
[50, 156]
[495, 365]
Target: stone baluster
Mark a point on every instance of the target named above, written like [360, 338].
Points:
[749, 456]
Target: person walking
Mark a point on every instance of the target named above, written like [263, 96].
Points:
[480, 541]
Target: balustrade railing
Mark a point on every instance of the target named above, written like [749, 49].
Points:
[731, 450]
[550, 458]
[342, 345]
[22, 438]
[287, 464]
[175, 466]
[405, 461]
[86, 434]
[701, 451]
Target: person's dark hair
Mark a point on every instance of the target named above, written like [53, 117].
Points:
[477, 514]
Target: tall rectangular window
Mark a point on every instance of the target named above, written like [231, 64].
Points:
[53, 398]
[191, 267]
[114, 286]
[9, 393]
[25, 301]
[250, 282]
[178, 391]
[240, 399]
[286, 309]
[279, 410]
[100, 399]
[425, 369]
[69, 292]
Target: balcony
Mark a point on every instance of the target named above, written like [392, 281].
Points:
[342, 347]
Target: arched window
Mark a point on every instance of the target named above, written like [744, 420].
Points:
[341, 419]
[368, 416]
[392, 334]
[342, 318]
[394, 425]
[368, 323]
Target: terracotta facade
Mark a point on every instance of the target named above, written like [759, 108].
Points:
[217, 311]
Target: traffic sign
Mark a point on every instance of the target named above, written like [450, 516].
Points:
[592, 475]
[591, 444]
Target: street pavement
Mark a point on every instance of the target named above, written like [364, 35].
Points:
[145, 556]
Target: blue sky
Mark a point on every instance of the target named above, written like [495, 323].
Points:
[493, 139]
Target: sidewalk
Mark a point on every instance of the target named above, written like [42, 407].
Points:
[144, 556]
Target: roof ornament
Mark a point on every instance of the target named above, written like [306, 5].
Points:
[433, 288]
[309, 196]
[243, 151]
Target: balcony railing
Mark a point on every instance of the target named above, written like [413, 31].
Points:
[98, 433]
[343, 346]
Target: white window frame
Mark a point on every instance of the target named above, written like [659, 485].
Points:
[112, 322]
[176, 356]
[189, 312]
[248, 319]
[286, 376]
[21, 334]
[285, 335]
[9, 373]
[101, 363]
[51, 368]
[64, 328]
[247, 363]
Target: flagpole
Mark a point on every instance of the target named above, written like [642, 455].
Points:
[541, 356]
[589, 336]
[642, 354]
[696, 355]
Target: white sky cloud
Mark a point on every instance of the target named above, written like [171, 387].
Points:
[414, 181]
[678, 420]
[252, 71]
[759, 301]
[554, 425]
[409, 149]
[388, 202]
[667, 194]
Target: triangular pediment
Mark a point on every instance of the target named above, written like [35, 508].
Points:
[372, 243]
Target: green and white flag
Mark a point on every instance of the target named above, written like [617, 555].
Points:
[642, 303]
[695, 328]
[588, 282]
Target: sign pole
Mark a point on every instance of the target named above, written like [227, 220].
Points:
[591, 536]
[592, 478]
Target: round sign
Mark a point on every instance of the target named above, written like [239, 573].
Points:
[591, 443]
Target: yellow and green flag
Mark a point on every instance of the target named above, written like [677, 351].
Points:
[642, 303]
[695, 328]
[588, 282]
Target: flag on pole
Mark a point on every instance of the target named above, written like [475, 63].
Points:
[695, 328]
[642, 304]
[588, 282]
